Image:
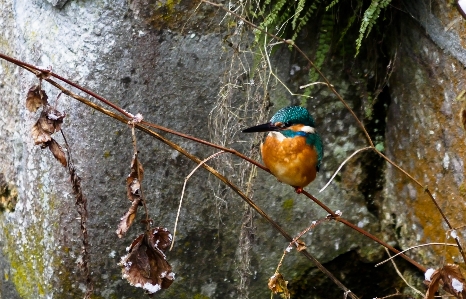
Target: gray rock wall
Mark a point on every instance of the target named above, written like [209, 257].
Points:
[169, 62]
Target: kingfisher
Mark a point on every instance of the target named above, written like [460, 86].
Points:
[293, 149]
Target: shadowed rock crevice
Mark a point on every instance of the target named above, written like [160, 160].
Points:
[364, 279]
[373, 166]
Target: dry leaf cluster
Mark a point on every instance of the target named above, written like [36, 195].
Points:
[49, 122]
[450, 277]
[133, 191]
[277, 284]
[145, 266]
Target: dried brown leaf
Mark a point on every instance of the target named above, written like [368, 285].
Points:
[57, 151]
[54, 119]
[36, 98]
[133, 182]
[452, 280]
[49, 122]
[145, 266]
[300, 245]
[39, 136]
[433, 284]
[127, 220]
[277, 284]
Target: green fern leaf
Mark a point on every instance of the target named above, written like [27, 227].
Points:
[369, 19]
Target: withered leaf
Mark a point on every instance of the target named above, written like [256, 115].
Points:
[452, 280]
[49, 122]
[39, 135]
[145, 266]
[36, 98]
[127, 220]
[277, 284]
[57, 151]
[133, 182]
[300, 245]
[54, 119]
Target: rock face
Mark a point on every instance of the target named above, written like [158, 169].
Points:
[425, 134]
[173, 63]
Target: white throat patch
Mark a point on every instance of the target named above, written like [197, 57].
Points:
[277, 135]
[308, 129]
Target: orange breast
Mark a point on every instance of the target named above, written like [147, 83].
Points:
[291, 160]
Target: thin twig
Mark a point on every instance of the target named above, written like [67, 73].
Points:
[276, 77]
[402, 277]
[294, 241]
[311, 84]
[182, 192]
[414, 247]
[342, 164]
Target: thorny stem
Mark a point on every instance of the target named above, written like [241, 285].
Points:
[340, 98]
[81, 203]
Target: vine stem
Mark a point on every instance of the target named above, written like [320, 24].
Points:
[47, 73]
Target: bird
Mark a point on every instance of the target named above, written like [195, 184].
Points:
[293, 149]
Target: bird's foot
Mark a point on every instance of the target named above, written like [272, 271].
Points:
[298, 190]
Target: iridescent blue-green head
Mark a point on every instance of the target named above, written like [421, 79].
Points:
[292, 122]
[285, 118]
[293, 115]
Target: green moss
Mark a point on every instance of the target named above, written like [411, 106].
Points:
[288, 204]
[107, 154]
[171, 14]
[287, 207]
[27, 264]
[462, 189]
[200, 296]
[29, 250]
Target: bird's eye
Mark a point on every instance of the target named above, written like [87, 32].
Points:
[287, 124]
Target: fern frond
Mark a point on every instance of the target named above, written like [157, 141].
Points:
[332, 4]
[297, 13]
[369, 19]
[305, 19]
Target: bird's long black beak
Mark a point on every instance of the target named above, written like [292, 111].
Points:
[261, 128]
